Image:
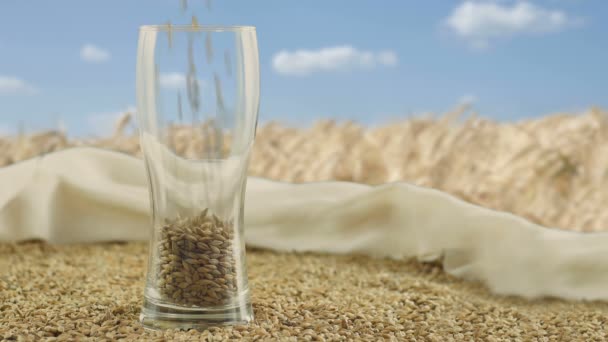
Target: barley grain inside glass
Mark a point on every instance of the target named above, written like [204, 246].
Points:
[197, 104]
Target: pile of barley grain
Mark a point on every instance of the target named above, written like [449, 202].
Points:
[196, 265]
[94, 292]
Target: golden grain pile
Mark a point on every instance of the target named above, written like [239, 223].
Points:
[94, 292]
[196, 265]
[551, 170]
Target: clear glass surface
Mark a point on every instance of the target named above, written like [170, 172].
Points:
[197, 84]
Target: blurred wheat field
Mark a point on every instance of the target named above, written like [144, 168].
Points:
[551, 170]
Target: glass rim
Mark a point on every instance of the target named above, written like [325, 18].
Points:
[196, 28]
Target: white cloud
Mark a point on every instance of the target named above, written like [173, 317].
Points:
[304, 62]
[13, 85]
[468, 100]
[173, 80]
[94, 54]
[480, 21]
[103, 124]
[388, 58]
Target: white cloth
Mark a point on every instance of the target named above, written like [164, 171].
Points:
[90, 195]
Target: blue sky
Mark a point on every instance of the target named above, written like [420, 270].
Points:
[369, 61]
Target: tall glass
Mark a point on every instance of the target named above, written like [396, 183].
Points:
[197, 105]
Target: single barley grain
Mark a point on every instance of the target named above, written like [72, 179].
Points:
[209, 48]
[228, 63]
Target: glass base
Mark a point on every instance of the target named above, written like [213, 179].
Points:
[158, 316]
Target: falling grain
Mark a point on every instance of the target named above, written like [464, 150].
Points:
[218, 93]
[228, 63]
[209, 48]
[170, 34]
[194, 22]
[180, 114]
[192, 85]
